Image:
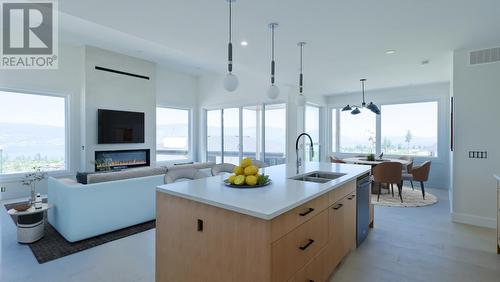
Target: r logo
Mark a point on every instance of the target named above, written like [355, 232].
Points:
[27, 28]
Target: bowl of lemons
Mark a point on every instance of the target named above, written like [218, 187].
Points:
[247, 175]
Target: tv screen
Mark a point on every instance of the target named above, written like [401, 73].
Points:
[120, 127]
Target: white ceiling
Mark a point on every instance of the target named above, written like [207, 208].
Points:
[347, 40]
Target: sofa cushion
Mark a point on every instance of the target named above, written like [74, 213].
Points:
[124, 174]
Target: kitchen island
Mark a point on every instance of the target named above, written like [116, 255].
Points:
[295, 229]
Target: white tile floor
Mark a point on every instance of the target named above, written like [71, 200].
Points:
[412, 244]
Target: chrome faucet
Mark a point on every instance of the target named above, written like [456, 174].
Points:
[311, 153]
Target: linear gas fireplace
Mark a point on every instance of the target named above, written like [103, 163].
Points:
[121, 159]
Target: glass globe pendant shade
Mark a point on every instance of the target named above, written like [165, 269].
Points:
[301, 100]
[230, 82]
[273, 92]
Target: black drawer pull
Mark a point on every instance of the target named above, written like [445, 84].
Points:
[338, 206]
[306, 212]
[307, 245]
[351, 197]
[200, 225]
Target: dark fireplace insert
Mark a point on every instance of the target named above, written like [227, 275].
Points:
[121, 159]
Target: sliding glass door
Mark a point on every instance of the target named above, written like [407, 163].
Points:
[231, 125]
[214, 135]
[275, 134]
[257, 132]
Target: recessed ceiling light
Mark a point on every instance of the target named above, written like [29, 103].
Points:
[244, 43]
[389, 52]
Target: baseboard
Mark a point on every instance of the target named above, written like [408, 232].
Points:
[474, 220]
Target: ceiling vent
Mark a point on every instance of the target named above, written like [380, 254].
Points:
[484, 56]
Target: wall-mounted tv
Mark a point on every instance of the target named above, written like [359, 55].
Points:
[119, 127]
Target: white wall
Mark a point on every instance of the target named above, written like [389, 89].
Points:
[440, 167]
[179, 90]
[106, 90]
[66, 80]
[476, 91]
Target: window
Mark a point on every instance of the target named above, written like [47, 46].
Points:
[312, 116]
[214, 136]
[357, 132]
[410, 129]
[172, 134]
[252, 131]
[244, 137]
[333, 136]
[275, 134]
[32, 132]
[232, 135]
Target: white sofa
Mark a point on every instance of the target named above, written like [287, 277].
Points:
[81, 211]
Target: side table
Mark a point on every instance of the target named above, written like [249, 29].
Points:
[30, 223]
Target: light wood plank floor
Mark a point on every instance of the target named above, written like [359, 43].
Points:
[422, 244]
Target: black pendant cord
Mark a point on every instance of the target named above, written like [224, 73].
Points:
[273, 63]
[230, 44]
[363, 91]
[301, 75]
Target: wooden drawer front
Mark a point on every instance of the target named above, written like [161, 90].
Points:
[337, 194]
[317, 270]
[288, 221]
[298, 247]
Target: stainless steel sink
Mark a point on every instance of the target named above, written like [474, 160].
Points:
[318, 176]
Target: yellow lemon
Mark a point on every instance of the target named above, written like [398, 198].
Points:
[251, 180]
[239, 180]
[231, 179]
[246, 162]
[251, 170]
[238, 170]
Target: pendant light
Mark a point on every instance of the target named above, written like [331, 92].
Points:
[372, 107]
[301, 99]
[231, 80]
[273, 92]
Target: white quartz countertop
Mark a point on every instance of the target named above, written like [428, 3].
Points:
[267, 202]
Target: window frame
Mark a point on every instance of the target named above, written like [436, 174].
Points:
[190, 136]
[262, 106]
[319, 150]
[7, 177]
[378, 127]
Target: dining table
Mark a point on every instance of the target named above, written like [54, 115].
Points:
[364, 161]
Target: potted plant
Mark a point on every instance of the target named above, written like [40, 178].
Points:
[372, 141]
[31, 179]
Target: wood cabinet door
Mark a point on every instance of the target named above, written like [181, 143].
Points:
[336, 232]
[349, 223]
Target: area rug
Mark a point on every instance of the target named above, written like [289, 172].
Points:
[53, 245]
[411, 198]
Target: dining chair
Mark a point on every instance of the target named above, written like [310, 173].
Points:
[389, 173]
[173, 175]
[407, 168]
[223, 167]
[419, 173]
[334, 159]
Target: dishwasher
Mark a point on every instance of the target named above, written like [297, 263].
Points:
[362, 208]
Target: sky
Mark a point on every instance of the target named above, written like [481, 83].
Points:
[32, 109]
